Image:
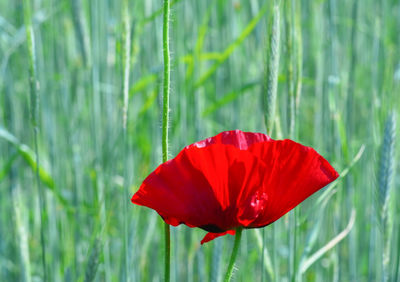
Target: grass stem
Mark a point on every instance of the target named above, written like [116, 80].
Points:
[271, 80]
[34, 98]
[165, 120]
[125, 89]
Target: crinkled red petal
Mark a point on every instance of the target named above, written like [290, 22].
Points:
[294, 173]
[234, 179]
[205, 187]
[239, 139]
[211, 236]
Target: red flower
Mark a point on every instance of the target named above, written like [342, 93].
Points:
[234, 179]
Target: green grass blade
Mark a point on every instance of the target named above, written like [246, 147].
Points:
[229, 50]
[318, 254]
[29, 157]
[228, 98]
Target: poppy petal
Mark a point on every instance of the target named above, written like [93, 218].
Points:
[204, 187]
[239, 139]
[179, 192]
[294, 173]
[211, 236]
[234, 179]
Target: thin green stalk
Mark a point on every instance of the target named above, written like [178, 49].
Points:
[125, 89]
[235, 249]
[126, 61]
[166, 86]
[34, 98]
[289, 22]
[167, 255]
[299, 60]
[165, 120]
[386, 171]
[157, 13]
[272, 73]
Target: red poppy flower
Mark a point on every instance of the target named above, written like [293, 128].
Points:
[234, 179]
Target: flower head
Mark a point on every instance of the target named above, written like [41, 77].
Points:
[235, 179]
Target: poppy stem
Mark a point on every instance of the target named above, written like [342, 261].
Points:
[167, 252]
[165, 121]
[166, 86]
[235, 249]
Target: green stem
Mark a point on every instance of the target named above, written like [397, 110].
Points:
[167, 252]
[166, 86]
[235, 249]
[34, 105]
[167, 69]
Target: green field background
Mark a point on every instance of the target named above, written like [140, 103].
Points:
[68, 168]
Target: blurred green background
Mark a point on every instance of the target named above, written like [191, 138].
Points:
[337, 65]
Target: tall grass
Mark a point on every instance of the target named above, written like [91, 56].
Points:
[34, 116]
[126, 62]
[385, 178]
[271, 80]
[331, 81]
